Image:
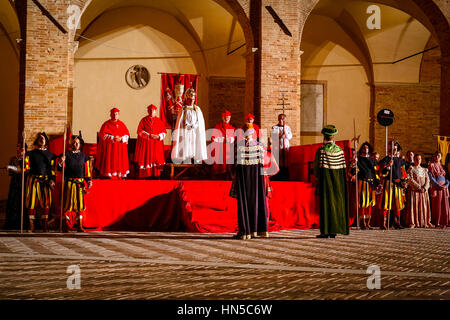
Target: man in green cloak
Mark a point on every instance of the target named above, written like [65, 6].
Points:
[331, 186]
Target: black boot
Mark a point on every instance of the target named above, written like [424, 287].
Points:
[31, 228]
[369, 227]
[44, 223]
[384, 226]
[397, 224]
[362, 223]
[80, 224]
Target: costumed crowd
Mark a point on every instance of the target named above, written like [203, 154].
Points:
[414, 194]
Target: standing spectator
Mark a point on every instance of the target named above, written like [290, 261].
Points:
[439, 192]
[409, 161]
[418, 203]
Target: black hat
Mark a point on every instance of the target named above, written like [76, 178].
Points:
[396, 143]
[47, 140]
[72, 138]
[329, 130]
[365, 144]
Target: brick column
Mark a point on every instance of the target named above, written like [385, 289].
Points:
[280, 66]
[445, 97]
[46, 69]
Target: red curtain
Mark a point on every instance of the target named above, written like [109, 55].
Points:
[301, 157]
[56, 144]
[168, 81]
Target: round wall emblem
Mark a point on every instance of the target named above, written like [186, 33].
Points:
[137, 77]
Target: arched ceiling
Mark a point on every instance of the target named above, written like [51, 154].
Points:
[334, 8]
[210, 23]
[9, 24]
[401, 35]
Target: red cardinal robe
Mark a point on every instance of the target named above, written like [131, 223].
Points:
[224, 156]
[112, 156]
[149, 154]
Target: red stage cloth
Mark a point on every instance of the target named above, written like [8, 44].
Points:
[193, 206]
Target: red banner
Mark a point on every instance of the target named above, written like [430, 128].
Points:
[173, 87]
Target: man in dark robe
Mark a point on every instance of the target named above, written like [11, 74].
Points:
[331, 185]
[249, 189]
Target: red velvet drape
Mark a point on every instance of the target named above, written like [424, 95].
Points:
[168, 81]
[194, 206]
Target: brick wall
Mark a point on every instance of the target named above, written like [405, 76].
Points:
[226, 93]
[416, 107]
[281, 65]
[430, 69]
[46, 76]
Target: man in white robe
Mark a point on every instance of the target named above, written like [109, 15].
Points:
[281, 134]
[189, 134]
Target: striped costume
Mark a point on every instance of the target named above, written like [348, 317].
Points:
[77, 173]
[393, 198]
[40, 167]
[368, 179]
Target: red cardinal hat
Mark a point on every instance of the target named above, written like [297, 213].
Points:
[249, 116]
[226, 113]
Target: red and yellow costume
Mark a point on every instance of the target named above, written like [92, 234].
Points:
[40, 166]
[77, 174]
[393, 196]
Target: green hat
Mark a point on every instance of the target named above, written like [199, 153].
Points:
[329, 130]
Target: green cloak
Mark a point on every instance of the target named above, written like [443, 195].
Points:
[329, 169]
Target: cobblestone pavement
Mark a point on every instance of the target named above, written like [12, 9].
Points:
[291, 264]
